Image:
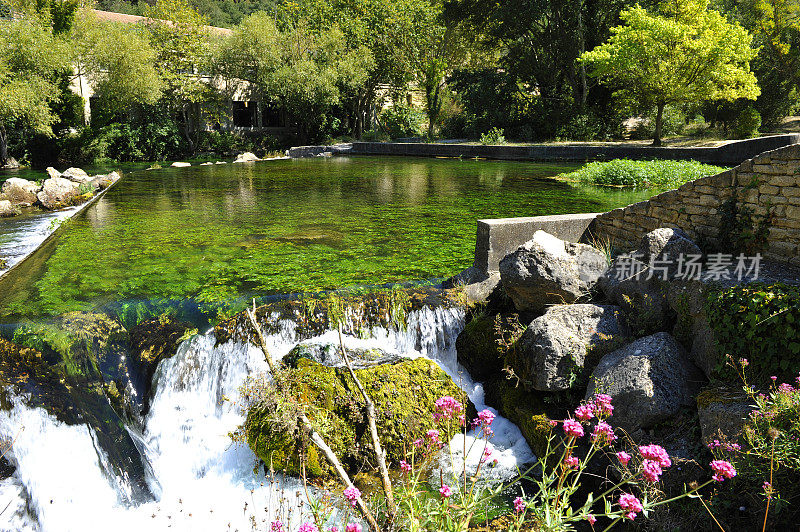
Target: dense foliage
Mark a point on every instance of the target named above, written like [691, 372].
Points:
[760, 323]
[643, 174]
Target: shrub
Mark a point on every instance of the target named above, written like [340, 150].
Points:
[644, 174]
[758, 322]
[494, 136]
[403, 121]
[748, 121]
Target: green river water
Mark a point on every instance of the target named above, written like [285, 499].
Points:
[209, 237]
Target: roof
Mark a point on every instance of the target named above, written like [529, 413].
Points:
[124, 18]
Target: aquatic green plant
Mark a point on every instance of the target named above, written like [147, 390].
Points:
[642, 174]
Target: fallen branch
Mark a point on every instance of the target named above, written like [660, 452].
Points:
[313, 435]
[380, 454]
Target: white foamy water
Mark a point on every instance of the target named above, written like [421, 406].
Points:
[22, 235]
[200, 480]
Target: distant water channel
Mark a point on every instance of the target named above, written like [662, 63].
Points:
[211, 236]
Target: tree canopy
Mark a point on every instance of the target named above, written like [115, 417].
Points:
[686, 52]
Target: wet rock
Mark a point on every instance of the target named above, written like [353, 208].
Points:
[723, 413]
[330, 355]
[7, 209]
[478, 350]
[477, 286]
[633, 284]
[246, 157]
[546, 271]
[58, 193]
[178, 164]
[404, 395]
[20, 191]
[649, 380]
[523, 408]
[153, 341]
[77, 175]
[550, 355]
[102, 182]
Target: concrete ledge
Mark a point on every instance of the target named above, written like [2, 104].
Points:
[498, 237]
[731, 153]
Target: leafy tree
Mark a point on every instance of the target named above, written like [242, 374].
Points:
[182, 43]
[32, 57]
[118, 61]
[685, 53]
[307, 73]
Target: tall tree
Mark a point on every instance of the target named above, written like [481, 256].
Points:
[29, 66]
[183, 45]
[306, 72]
[684, 53]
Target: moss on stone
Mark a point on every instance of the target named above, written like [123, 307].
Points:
[403, 393]
[523, 408]
[478, 349]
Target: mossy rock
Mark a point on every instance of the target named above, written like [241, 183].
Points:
[404, 396]
[330, 355]
[478, 350]
[523, 408]
[153, 341]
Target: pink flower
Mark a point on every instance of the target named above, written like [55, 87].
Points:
[656, 453]
[445, 408]
[445, 490]
[592, 519]
[519, 504]
[417, 443]
[602, 404]
[486, 454]
[651, 470]
[405, 467]
[774, 378]
[630, 504]
[722, 470]
[603, 433]
[433, 435]
[623, 457]
[573, 428]
[307, 527]
[352, 494]
[276, 526]
[333, 529]
[744, 362]
[353, 527]
[485, 417]
[571, 462]
[554, 423]
[584, 412]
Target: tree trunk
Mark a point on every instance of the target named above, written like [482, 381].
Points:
[582, 48]
[3, 145]
[659, 120]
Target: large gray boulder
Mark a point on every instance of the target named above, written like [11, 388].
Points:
[547, 270]
[552, 351]
[723, 414]
[57, 193]
[637, 281]
[20, 191]
[649, 381]
[7, 209]
[77, 175]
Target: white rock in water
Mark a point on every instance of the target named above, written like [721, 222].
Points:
[77, 175]
[180, 165]
[6, 209]
[20, 190]
[246, 157]
[57, 193]
[52, 172]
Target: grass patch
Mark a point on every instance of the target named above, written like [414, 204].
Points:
[642, 174]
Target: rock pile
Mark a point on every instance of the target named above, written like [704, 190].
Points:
[73, 187]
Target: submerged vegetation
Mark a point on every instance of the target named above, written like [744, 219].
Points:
[662, 174]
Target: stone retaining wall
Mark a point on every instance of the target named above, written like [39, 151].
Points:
[768, 183]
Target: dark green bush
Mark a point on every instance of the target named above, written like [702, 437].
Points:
[748, 121]
[761, 323]
[645, 174]
[403, 121]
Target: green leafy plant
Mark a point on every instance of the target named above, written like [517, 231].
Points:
[493, 137]
[642, 174]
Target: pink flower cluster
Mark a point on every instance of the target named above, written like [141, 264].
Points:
[307, 527]
[519, 505]
[623, 457]
[353, 527]
[585, 412]
[446, 408]
[352, 495]
[276, 526]
[571, 462]
[603, 433]
[405, 467]
[730, 447]
[484, 421]
[573, 428]
[722, 470]
[656, 459]
[631, 505]
[445, 491]
[602, 405]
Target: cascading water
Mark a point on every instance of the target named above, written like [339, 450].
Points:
[21, 236]
[198, 478]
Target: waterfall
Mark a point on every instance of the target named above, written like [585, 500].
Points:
[199, 479]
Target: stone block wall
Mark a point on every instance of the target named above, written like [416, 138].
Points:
[768, 183]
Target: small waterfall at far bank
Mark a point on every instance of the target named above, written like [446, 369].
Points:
[200, 480]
